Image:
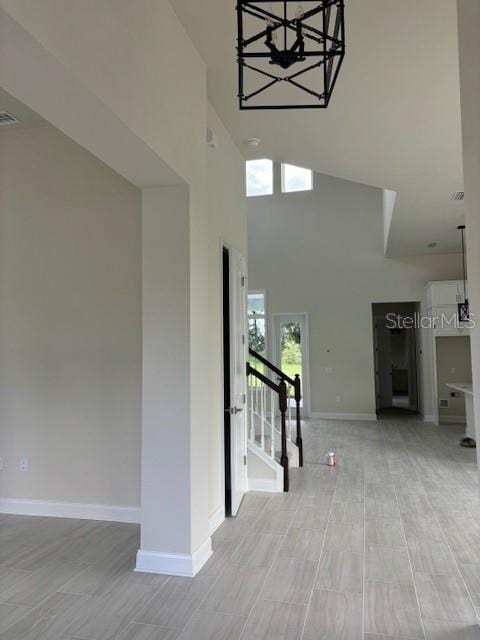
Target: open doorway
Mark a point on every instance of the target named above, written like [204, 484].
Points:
[234, 378]
[454, 379]
[395, 357]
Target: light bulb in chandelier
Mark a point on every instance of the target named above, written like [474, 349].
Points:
[300, 12]
[271, 25]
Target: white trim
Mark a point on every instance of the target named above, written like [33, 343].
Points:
[267, 485]
[371, 417]
[275, 356]
[216, 519]
[77, 510]
[453, 420]
[174, 564]
[429, 418]
[222, 407]
[271, 485]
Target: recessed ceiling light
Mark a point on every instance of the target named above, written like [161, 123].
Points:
[252, 142]
[432, 245]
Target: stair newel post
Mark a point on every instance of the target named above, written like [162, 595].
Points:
[298, 398]
[283, 404]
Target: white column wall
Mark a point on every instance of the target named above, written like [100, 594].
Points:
[174, 525]
[469, 44]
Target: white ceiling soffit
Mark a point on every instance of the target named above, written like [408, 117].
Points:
[41, 83]
[393, 121]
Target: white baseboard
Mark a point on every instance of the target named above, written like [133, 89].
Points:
[80, 511]
[267, 485]
[77, 510]
[216, 519]
[453, 420]
[371, 417]
[174, 564]
[429, 418]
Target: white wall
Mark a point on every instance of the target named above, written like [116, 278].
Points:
[70, 323]
[107, 75]
[124, 80]
[469, 42]
[228, 224]
[46, 198]
[321, 252]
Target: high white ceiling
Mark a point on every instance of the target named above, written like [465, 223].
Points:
[394, 119]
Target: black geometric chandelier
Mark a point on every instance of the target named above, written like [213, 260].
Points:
[289, 52]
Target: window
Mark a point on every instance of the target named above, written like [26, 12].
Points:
[259, 177]
[257, 322]
[296, 178]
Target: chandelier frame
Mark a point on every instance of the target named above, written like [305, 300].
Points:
[324, 46]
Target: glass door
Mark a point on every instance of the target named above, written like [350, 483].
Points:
[291, 350]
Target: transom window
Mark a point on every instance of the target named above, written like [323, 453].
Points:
[296, 178]
[259, 177]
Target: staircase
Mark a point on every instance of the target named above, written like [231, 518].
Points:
[274, 420]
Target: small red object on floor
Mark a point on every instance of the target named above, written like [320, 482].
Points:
[331, 459]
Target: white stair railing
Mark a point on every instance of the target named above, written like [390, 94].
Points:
[263, 396]
[264, 417]
[261, 418]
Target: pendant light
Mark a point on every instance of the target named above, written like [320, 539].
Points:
[464, 307]
[289, 52]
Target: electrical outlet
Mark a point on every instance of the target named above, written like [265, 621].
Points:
[24, 464]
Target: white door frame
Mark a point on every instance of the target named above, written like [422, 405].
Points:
[379, 381]
[413, 370]
[303, 316]
[237, 470]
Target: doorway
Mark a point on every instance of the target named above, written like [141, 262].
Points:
[453, 362]
[395, 357]
[291, 351]
[234, 378]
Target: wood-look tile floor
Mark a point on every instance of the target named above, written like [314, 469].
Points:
[384, 546]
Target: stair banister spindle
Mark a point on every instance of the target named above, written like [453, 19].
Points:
[289, 412]
[262, 417]
[298, 399]
[252, 420]
[272, 423]
[283, 402]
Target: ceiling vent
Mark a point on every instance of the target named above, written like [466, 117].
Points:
[457, 196]
[7, 118]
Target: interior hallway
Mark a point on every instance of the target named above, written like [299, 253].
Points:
[386, 545]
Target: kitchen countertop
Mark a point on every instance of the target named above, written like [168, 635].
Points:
[464, 387]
